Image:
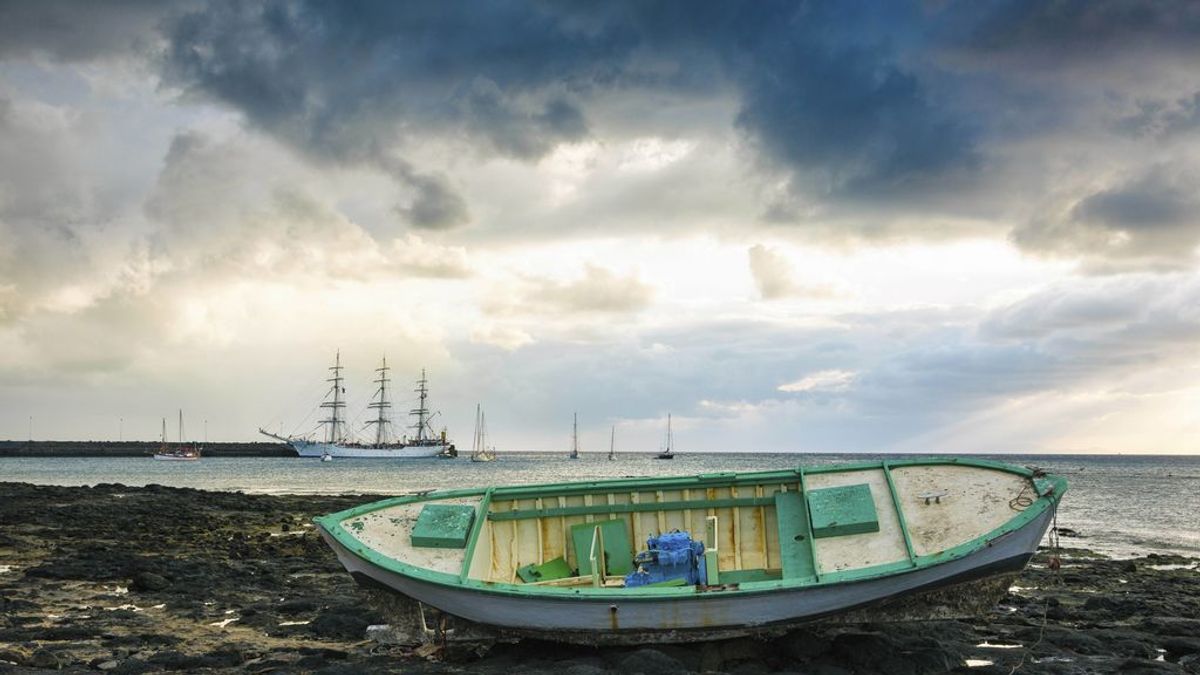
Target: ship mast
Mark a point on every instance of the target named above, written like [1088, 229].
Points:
[669, 451]
[382, 406]
[421, 412]
[612, 437]
[575, 436]
[335, 422]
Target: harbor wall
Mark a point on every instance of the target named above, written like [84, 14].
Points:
[134, 449]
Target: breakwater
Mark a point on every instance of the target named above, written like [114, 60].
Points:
[134, 449]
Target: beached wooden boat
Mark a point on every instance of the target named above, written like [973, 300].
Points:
[899, 539]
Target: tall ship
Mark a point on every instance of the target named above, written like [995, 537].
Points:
[382, 442]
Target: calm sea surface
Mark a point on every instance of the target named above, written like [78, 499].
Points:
[1122, 505]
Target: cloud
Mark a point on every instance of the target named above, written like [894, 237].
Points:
[775, 276]
[74, 31]
[416, 257]
[1151, 220]
[1075, 33]
[824, 380]
[599, 291]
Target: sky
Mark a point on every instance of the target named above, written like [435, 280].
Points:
[842, 226]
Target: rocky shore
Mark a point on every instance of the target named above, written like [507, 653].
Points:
[131, 580]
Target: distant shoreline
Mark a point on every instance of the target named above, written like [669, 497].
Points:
[134, 449]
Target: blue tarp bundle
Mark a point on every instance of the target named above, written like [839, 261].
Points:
[669, 557]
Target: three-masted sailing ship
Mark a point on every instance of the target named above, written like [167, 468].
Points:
[338, 443]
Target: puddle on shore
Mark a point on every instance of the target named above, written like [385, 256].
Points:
[978, 663]
[5, 569]
[1054, 659]
[989, 645]
[294, 623]
[1172, 567]
[224, 623]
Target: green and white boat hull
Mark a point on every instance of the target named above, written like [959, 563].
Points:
[779, 560]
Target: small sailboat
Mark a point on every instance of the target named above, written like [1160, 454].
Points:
[183, 452]
[709, 556]
[480, 452]
[575, 437]
[612, 437]
[669, 453]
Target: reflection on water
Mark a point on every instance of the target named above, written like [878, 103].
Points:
[1123, 505]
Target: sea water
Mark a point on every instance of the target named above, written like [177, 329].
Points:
[1122, 505]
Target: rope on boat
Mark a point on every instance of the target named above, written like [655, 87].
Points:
[1055, 565]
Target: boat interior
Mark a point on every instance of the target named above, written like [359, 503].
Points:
[802, 526]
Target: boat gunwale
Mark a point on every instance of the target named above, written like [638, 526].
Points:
[1049, 490]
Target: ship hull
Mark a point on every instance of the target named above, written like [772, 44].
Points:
[317, 450]
[175, 458]
[707, 616]
[869, 541]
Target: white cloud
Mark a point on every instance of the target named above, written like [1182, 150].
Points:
[824, 380]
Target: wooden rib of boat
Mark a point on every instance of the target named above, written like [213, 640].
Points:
[912, 538]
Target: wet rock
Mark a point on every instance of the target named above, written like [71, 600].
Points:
[1139, 666]
[45, 659]
[803, 645]
[13, 655]
[144, 582]
[1178, 646]
[344, 622]
[650, 662]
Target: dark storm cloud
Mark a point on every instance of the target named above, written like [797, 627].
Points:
[1159, 201]
[1149, 221]
[75, 31]
[821, 92]
[1070, 32]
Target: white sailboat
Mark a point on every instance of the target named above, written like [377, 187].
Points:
[669, 452]
[575, 437]
[337, 443]
[182, 452]
[480, 452]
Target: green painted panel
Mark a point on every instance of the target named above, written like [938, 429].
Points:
[618, 554]
[547, 571]
[643, 507]
[748, 576]
[443, 526]
[795, 547]
[838, 511]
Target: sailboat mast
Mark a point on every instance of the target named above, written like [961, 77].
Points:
[181, 425]
[669, 450]
[164, 430]
[335, 405]
[421, 411]
[382, 405]
[575, 434]
[612, 437]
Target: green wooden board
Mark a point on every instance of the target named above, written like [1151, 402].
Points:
[843, 510]
[618, 554]
[746, 576]
[547, 571]
[443, 526]
[795, 548]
